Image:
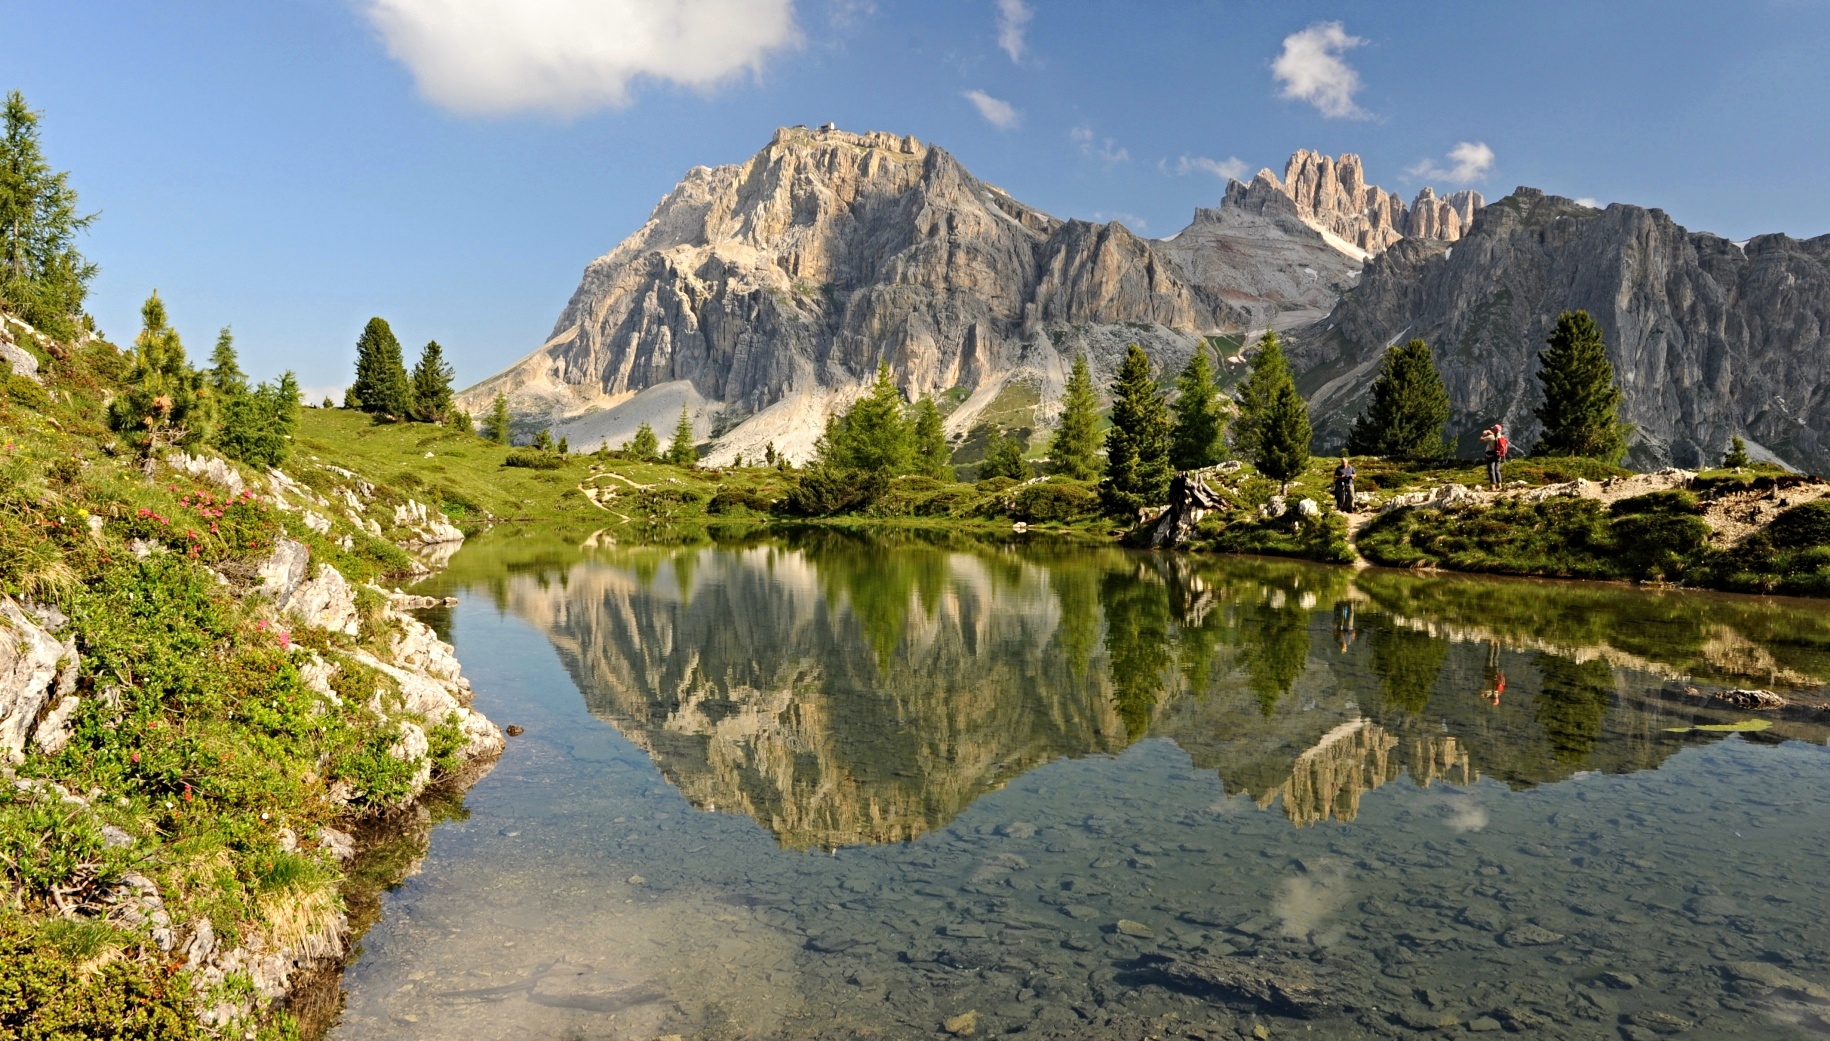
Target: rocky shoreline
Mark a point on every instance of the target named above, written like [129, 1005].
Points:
[342, 637]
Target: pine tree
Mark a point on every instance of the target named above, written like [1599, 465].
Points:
[226, 377]
[1195, 439]
[1408, 409]
[932, 456]
[1581, 410]
[683, 449]
[1075, 449]
[1268, 370]
[1737, 453]
[1137, 446]
[496, 424]
[644, 445]
[43, 277]
[431, 386]
[872, 435]
[565, 447]
[1283, 435]
[166, 403]
[1004, 458]
[381, 386]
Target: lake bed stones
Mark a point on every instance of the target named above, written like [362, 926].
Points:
[1529, 935]
[1282, 987]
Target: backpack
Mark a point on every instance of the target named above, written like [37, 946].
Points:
[1499, 446]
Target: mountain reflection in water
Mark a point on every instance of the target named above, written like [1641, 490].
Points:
[842, 690]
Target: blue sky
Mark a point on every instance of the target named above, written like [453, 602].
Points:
[291, 168]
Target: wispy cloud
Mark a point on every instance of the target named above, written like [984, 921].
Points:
[999, 113]
[843, 14]
[1311, 69]
[572, 56]
[1013, 25]
[1231, 168]
[1091, 145]
[1129, 220]
[1591, 202]
[1470, 161]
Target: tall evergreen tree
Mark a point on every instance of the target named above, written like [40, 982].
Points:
[1137, 446]
[1284, 435]
[644, 446]
[1004, 458]
[166, 402]
[872, 435]
[1737, 453]
[1581, 410]
[431, 385]
[1408, 409]
[932, 456]
[1195, 439]
[1075, 449]
[381, 386]
[683, 450]
[1268, 370]
[43, 277]
[496, 424]
[225, 375]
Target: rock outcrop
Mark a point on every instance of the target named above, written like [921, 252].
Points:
[1332, 195]
[37, 677]
[1709, 338]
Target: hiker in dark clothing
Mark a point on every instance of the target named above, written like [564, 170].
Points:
[1343, 485]
[1494, 437]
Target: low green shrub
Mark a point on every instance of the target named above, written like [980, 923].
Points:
[824, 491]
[739, 501]
[535, 460]
[1054, 501]
[45, 995]
[1322, 538]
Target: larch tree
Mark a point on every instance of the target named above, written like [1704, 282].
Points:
[932, 456]
[1283, 435]
[1075, 449]
[1581, 409]
[1004, 458]
[872, 434]
[1137, 445]
[1737, 453]
[431, 385]
[225, 375]
[1268, 370]
[1409, 406]
[1195, 439]
[683, 450]
[381, 387]
[644, 446]
[43, 277]
[496, 423]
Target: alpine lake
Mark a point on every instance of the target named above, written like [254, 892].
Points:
[829, 785]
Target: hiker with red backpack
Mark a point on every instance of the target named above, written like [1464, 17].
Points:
[1494, 437]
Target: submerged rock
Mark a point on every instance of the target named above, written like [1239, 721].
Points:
[1284, 988]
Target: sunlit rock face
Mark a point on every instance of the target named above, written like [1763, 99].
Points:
[857, 701]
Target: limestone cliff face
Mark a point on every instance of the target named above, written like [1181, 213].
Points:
[766, 293]
[1332, 195]
[1709, 338]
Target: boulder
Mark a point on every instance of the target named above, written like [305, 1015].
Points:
[36, 670]
[213, 469]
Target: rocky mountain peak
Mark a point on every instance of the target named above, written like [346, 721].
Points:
[1332, 196]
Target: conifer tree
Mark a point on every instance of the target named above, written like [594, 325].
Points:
[932, 456]
[1004, 458]
[381, 386]
[226, 377]
[1581, 410]
[43, 277]
[543, 440]
[872, 435]
[257, 425]
[1195, 439]
[431, 385]
[645, 446]
[1737, 453]
[166, 403]
[1075, 449]
[1408, 409]
[1283, 435]
[1137, 446]
[1268, 370]
[683, 450]
[496, 424]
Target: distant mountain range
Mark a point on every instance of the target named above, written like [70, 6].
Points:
[762, 296]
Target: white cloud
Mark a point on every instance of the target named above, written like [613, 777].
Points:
[1470, 161]
[1129, 220]
[1013, 22]
[1107, 151]
[1310, 69]
[1231, 168]
[571, 56]
[1000, 114]
[1591, 203]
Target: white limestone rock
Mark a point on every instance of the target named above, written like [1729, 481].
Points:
[211, 468]
[36, 669]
